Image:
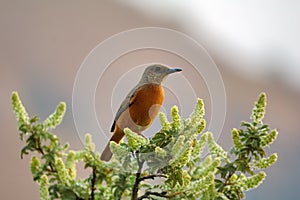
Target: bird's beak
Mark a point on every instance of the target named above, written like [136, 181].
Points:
[173, 70]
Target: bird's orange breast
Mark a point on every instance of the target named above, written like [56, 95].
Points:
[143, 109]
[146, 104]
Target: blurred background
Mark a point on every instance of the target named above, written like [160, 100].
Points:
[255, 45]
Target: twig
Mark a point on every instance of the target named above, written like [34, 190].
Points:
[93, 182]
[135, 188]
[41, 151]
[148, 193]
[151, 177]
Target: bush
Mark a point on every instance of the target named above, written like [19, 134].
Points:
[174, 157]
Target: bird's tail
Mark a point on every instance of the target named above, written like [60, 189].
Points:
[106, 154]
[116, 137]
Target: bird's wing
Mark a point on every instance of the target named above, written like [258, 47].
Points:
[125, 104]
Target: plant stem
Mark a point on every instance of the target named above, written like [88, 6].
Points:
[148, 193]
[151, 177]
[93, 184]
[135, 188]
[40, 150]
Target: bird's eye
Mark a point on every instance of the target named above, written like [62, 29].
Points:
[157, 69]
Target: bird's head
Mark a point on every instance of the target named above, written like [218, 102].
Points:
[156, 73]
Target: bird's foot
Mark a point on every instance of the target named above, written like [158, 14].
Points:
[141, 134]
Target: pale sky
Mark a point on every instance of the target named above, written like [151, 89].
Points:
[263, 34]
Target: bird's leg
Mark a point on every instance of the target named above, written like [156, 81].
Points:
[141, 134]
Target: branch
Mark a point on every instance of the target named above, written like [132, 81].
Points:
[139, 179]
[40, 150]
[135, 188]
[93, 184]
[148, 193]
[151, 177]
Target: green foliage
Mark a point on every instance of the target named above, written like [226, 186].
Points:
[248, 155]
[135, 141]
[173, 156]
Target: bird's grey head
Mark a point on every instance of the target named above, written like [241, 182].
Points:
[156, 73]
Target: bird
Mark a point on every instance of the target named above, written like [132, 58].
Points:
[140, 106]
